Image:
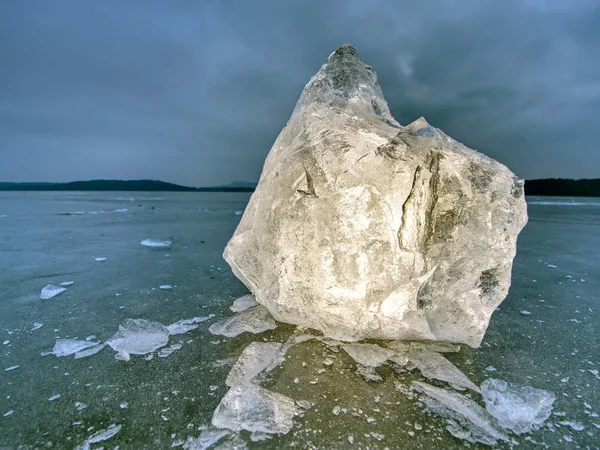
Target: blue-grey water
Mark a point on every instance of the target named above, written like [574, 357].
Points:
[545, 334]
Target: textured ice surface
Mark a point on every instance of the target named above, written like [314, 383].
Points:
[185, 325]
[50, 291]
[255, 358]
[66, 347]
[518, 408]
[89, 351]
[155, 243]
[434, 365]
[477, 425]
[139, 337]
[100, 436]
[254, 320]
[243, 303]
[369, 355]
[252, 408]
[206, 439]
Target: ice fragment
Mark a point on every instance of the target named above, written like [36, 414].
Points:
[155, 243]
[50, 291]
[254, 320]
[66, 347]
[243, 303]
[256, 357]
[139, 337]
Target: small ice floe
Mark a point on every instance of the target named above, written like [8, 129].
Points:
[138, 337]
[517, 408]
[185, 325]
[36, 326]
[80, 406]
[254, 320]
[100, 436]
[89, 351]
[8, 413]
[490, 369]
[551, 266]
[53, 397]
[155, 243]
[255, 409]
[239, 212]
[474, 423]
[8, 369]
[243, 303]
[6, 342]
[66, 347]
[100, 259]
[573, 425]
[164, 352]
[433, 365]
[256, 358]
[207, 439]
[67, 283]
[525, 312]
[50, 291]
[165, 287]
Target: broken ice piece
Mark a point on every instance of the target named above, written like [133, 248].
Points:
[185, 325]
[164, 352]
[254, 320]
[368, 373]
[53, 397]
[100, 436]
[67, 283]
[252, 408]
[139, 337]
[207, 438]
[80, 406]
[525, 312]
[165, 287]
[243, 303]
[122, 356]
[66, 347]
[155, 243]
[8, 369]
[100, 259]
[89, 351]
[255, 358]
[434, 365]
[518, 408]
[479, 426]
[369, 355]
[50, 291]
[36, 326]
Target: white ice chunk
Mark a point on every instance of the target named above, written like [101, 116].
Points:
[255, 358]
[139, 337]
[479, 425]
[164, 352]
[89, 351]
[80, 406]
[36, 326]
[8, 369]
[239, 213]
[8, 413]
[525, 312]
[518, 408]
[155, 243]
[165, 287]
[67, 283]
[123, 356]
[53, 397]
[66, 347]
[369, 355]
[185, 325]
[252, 408]
[50, 291]
[100, 436]
[434, 365]
[207, 438]
[100, 259]
[254, 320]
[243, 303]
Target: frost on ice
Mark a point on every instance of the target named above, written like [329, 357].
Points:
[185, 325]
[155, 243]
[254, 320]
[475, 423]
[243, 303]
[50, 291]
[252, 408]
[139, 337]
[255, 358]
[518, 408]
[66, 347]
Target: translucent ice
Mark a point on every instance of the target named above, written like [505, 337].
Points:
[243, 303]
[89, 351]
[369, 355]
[50, 291]
[100, 436]
[252, 408]
[255, 358]
[164, 352]
[207, 438]
[254, 320]
[434, 365]
[185, 325]
[139, 337]
[518, 408]
[36, 326]
[66, 347]
[479, 426]
[155, 243]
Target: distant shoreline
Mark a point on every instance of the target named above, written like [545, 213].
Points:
[556, 187]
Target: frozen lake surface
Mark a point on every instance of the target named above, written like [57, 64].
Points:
[544, 335]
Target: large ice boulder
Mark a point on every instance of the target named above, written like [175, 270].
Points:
[363, 228]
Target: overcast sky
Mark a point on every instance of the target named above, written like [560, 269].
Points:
[195, 92]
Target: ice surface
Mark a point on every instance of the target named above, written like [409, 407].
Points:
[254, 320]
[155, 243]
[479, 426]
[252, 408]
[66, 347]
[434, 365]
[255, 358]
[164, 352]
[89, 351]
[518, 408]
[67, 283]
[185, 325]
[165, 287]
[50, 291]
[139, 337]
[206, 439]
[100, 436]
[369, 355]
[243, 303]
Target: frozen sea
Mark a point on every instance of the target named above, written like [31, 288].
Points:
[545, 334]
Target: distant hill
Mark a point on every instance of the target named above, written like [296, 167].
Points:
[562, 187]
[241, 184]
[120, 185]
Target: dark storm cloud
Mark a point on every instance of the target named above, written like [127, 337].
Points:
[196, 92]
